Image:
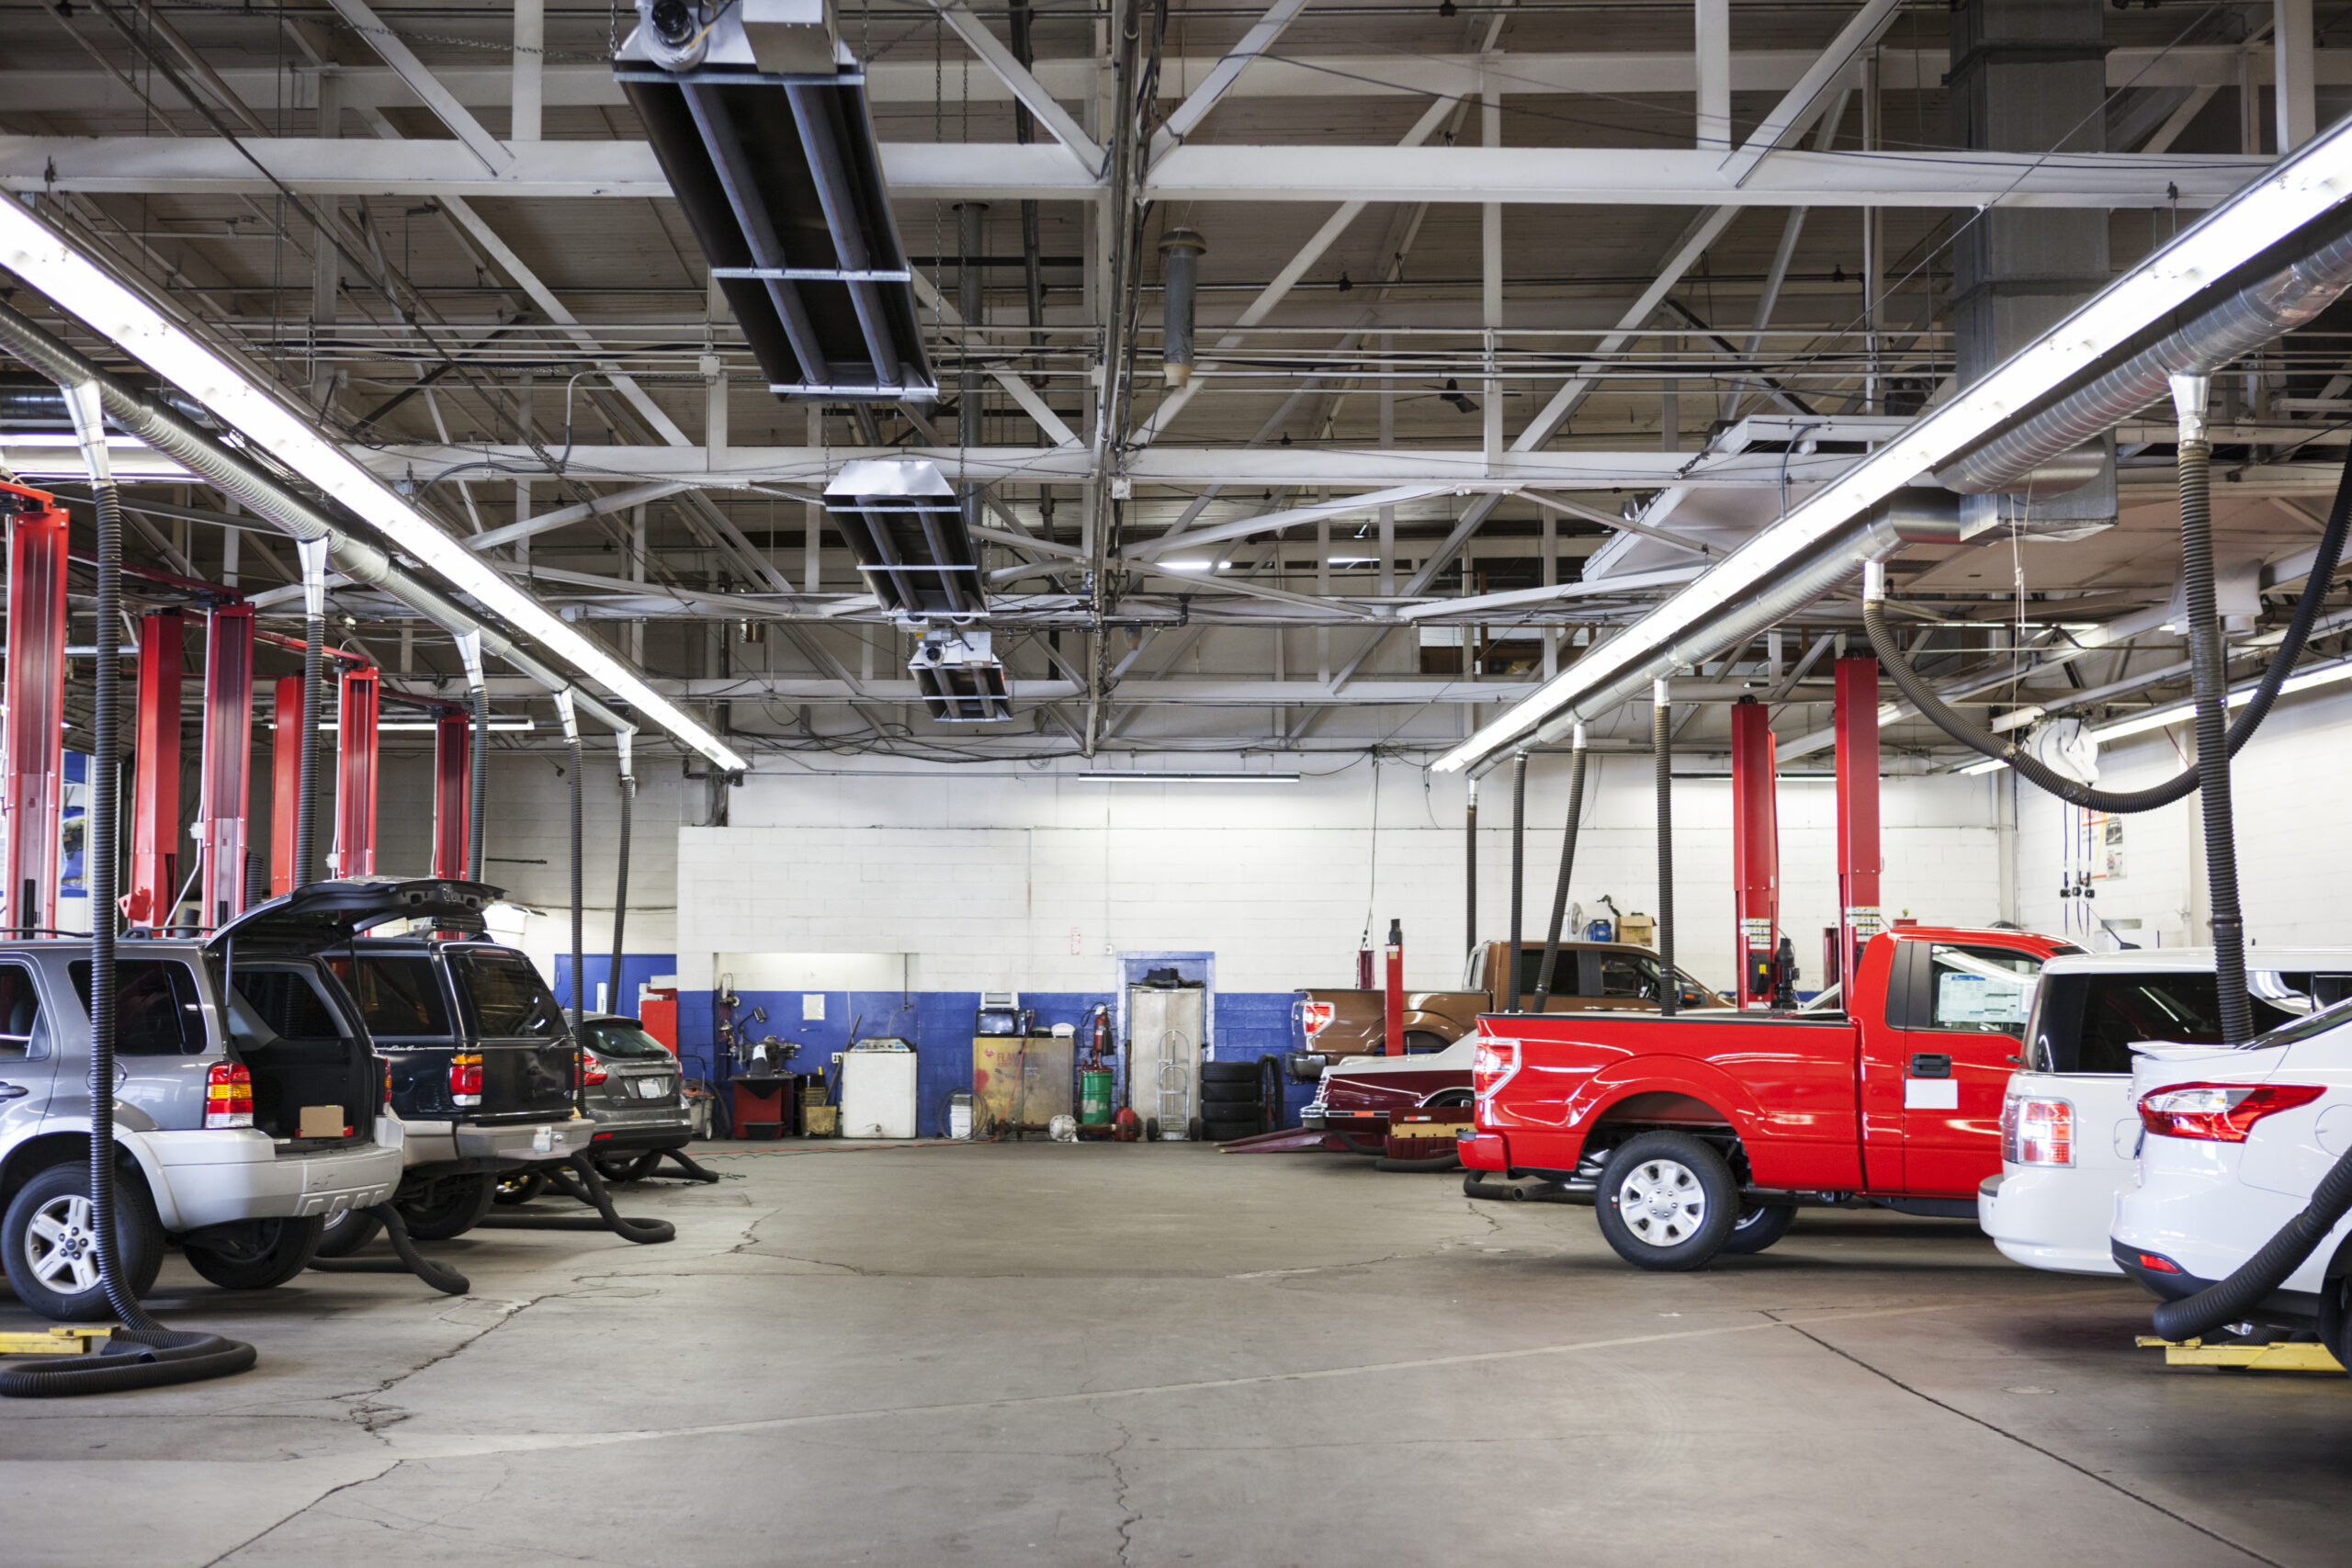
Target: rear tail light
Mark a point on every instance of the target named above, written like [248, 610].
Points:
[1492, 1068]
[465, 1078]
[2219, 1112]
[591, 1070]
[384, 1071]
[2157, 1263]
[228, 1096]
[1313, 1018]
[2037, 1132]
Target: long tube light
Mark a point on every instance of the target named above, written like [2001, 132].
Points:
[2289, 195]
[45, 261]
[1108, 775]
[2182, 712]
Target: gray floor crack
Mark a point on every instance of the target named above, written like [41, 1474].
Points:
[1129, 1516]
[374, 1418]
[278, 1524]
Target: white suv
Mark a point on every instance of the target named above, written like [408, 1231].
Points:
[2070, 1131]
[2238, 1140]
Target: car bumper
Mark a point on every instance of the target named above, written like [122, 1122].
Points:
[213, 1178]
[491, 1147]
[2191, 1208]
[674, 1134]
[2054, 1217]
[1481, 1151]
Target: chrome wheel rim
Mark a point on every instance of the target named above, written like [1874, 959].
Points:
[61, 1247]
[1662, 1203]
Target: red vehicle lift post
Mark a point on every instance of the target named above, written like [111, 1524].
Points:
[285, 783]
[1755, 851]
[33, 787]
[1858, 849]
[1393, 998]
[155, 776]
[355, 774]
[453, 740]
[220, 808]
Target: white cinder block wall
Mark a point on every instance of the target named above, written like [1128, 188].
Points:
[1031, 879]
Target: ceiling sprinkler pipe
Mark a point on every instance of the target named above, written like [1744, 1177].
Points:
[2249, 318]
[1180, 290]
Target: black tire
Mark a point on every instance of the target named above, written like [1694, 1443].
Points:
[1152, 1129]
[346, 1233]
[1228, 1094]
[618, 1168]
[1757, 1228]
[262, 1256]
[2335, 1318]
[519, 1186]
[1242, 1073]
[1192, 1130]
[60, 1196]
[439, 1208]
[1667, 1201]
[1226, 1132]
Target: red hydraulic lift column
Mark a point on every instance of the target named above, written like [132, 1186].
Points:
[155, 778]
[1857, 856]
[220, 808]
[33, 784]
[453, 740]
[285, 783]
[354, 775]
[1754, 851]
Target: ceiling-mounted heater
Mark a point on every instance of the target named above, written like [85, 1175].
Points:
[899, 516]
[758, 114]
[961, 679]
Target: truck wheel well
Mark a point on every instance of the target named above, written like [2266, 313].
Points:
[34, 1156]
[1664, 1107]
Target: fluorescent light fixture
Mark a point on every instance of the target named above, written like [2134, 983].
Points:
[1106, 775]
[1987, 766]
[36, 253]
[2281, 201]
[503, 725]
[2183, 713]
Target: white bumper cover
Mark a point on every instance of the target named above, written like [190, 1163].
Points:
[216, 1177]
[2054, 1217]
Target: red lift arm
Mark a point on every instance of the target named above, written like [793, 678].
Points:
[285, 783]
[33, 784]
[1858, 854]
[453, 740]
[155, 778]
[228, 759]
[1755, 851]
[355, 774]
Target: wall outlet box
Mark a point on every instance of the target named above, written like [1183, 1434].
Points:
[837, 1058]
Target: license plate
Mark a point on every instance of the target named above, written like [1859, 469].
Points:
[652, 1088]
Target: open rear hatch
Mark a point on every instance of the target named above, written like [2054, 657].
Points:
[314, 917]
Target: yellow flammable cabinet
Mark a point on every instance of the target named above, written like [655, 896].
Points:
[1021, 1083]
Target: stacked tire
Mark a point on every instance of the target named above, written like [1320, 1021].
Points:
[1231, 1103]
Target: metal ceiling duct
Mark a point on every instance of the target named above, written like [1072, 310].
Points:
[960, 677]
[899, 518]
[758, 117]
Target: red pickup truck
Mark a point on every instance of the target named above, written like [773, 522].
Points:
[1701, 1134]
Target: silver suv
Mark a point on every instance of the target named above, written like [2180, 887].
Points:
[249, 1108]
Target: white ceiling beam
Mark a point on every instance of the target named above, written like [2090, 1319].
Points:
[1022, 86]
[1556, 177]
[1223, 77]
[565, 516]
[1805, 99]
[434, 96]
[1271, 521]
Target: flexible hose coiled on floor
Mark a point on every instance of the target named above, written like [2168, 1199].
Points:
[1512, 977]
[306, 816]
[1435, 1163]
[476, 769]
[1919, 694]
[2229, 1300]
[1560, 888]
[581, 1182]
[1662, 752]
[438, 1275]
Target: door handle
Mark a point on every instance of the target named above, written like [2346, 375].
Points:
[1930, 1065]
[13, 1091]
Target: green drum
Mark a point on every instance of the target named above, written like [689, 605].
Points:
[1094, 1098]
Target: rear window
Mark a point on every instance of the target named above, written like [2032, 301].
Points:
[157, 1010]
[622, 1040]
[21, 1035]
[508, 999]
[291, 1003]
[2088, 1023]
[400, 998]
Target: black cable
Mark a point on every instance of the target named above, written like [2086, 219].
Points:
[1662, 753]
[1919, 694]
[1560, 888]
[1518, 877]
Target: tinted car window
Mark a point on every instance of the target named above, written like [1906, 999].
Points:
[291, 1003]
[1563, 970]
[2088, 1023]
[155, 1006]
[509, 999]
[400, 998]
[1629, 975]
[21, 1035]
[622, 1040]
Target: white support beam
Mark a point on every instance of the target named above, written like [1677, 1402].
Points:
[1710, 53]
[1022, 86]
[1032, 401]
[1273, 522]
[1224, 75]
[434, 96]
[2291, 49]
[530, 67]
[1805, 99]
[563, 516]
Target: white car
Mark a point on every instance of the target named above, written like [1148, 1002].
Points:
[2070, 1131]
[2236, 1142]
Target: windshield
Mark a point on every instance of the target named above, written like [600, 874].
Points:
[622, 1038]
[508, 999]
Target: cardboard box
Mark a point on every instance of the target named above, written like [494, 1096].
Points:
[321, 1121]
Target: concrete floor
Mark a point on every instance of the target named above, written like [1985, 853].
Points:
[1038, 1354]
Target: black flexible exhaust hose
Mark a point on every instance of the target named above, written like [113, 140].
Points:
[478, 771]
[438, 1275]
[1560, 888]
[1919, 694]
[2229, 1300]
[1662, 751]
[1435, 1163]
[142, 1353]
[581, 1182]
[1511, 976]
[306, 816]
[685, 1162]
[2210, 677]
[620, 902]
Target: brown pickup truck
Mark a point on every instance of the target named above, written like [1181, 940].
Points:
[1588, 977]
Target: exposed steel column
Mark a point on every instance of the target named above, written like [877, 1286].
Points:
[155, 776]
[220, 809]
[33, 784]
[453, 740]
[285, 783]
[355, 774]
[1754, 851]
[1858, 854]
